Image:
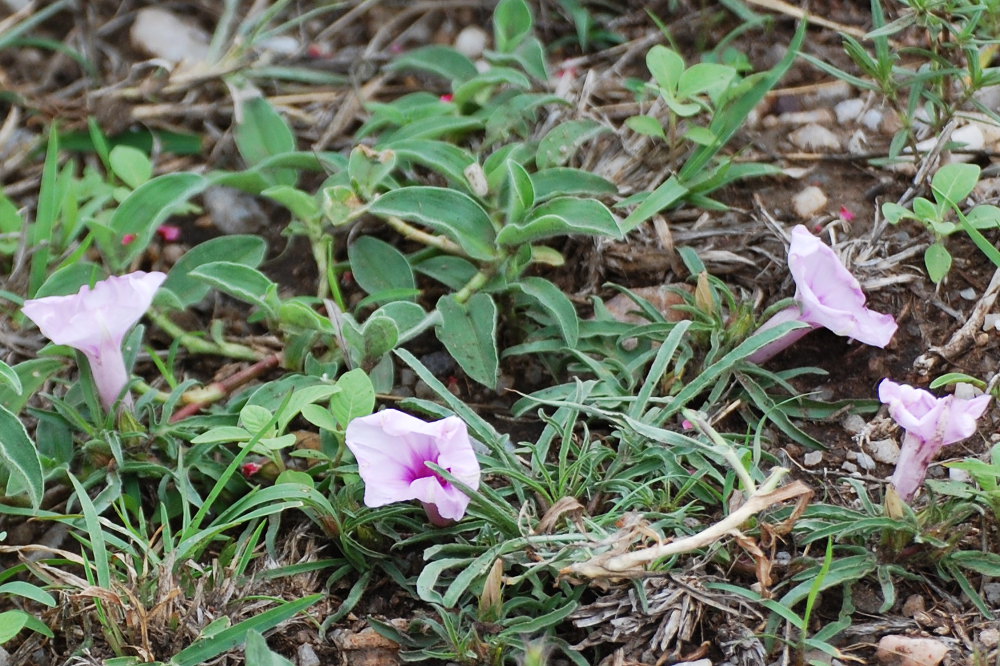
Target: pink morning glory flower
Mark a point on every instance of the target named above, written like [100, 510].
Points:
[95, 321]
[827, 296]
[930, 423]
[393, 448]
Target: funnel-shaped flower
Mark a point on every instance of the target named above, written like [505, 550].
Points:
[827, 296]
[95, 321]
[393, 448]
[930, 423]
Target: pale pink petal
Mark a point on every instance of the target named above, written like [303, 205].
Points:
[826, 295]
[830, 296]
[930, 424]
[95, 321]
[766, 352]
[393, 450]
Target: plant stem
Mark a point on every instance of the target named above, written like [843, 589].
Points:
[199, 345]
[409, 231]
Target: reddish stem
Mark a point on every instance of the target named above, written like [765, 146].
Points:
[218, 390]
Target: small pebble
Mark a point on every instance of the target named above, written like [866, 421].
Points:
[440, 363]
[913, 605]
[812, 458]
[233, 211]
[895, 650]
[991, 322]
[471, 42]
[423, 391]
[700, 662]
[814, 137]
[306, 656]
[959, 475]
[990, 638]
[853, 424]
[849, 110]
[865, 462]
[992, 593]
[872, 119]
[808, 202]
[884, 451]
[967, 391]
[968, 294]
[849, 467]
[407, 377]
[162, 34]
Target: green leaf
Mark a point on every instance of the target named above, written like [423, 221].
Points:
[11, 623]
[10, 378]
[441, 60]
[937, 259]
[953, 182]
[10, 223]
[468, 332]
[495, 76]
[552, 299]
[263, 133]
[367, 168]
[379, 336]
[432, 128]
[511, 24]
[705, 78]
[68, 279]
[355, 399]
[666, 66]
[566, 181]
[205, 649]
[32, 374]
[561, 216]
[321, 418]
[378, 266]
[258, 654]
[451, 271]
[893, 212]
[446, 158]
[665, 195]
[520, 192]
[28, 591]
[985, 216]
[449, 212]
[646, 125]
[239, 281]
[302, 205]
[20, 458]
[145, 209]
[239, 249]
[560, 144]
[410, 318]
[131, 165]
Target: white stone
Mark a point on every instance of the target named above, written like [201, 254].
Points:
[808, 202]
[896, 650]
[162, 34]
[968, 294]
[991, 322]
[700, 662]
[814, 137]
[967, 391]
[990, 638]
[471, 42]
[959, 475]
[853, 424]
[866, 462]
[884, 451]
[849, 110]
[849, 467]
[872, 119]
[306, 656]
[812, 458]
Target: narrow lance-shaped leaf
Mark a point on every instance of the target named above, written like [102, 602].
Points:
[20, 458]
